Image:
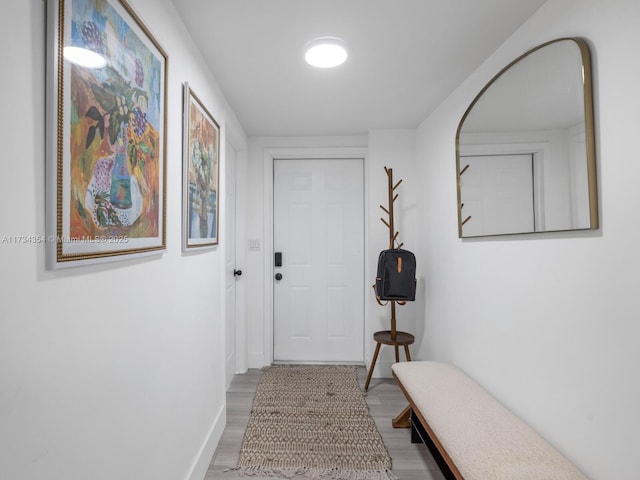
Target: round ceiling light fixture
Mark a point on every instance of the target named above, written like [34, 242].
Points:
[84, 57]
[325, 52]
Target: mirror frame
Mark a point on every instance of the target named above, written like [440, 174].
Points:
[589, 136]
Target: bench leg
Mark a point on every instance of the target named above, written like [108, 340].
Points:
[403, 419]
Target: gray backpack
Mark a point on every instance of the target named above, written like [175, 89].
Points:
[396, 277]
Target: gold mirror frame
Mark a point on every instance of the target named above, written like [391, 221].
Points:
[593, 221]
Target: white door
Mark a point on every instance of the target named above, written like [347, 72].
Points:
[230, 262]
[319, 231]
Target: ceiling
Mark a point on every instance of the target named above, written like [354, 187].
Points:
[405, 58]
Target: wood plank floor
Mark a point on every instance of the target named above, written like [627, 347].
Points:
[410, 461]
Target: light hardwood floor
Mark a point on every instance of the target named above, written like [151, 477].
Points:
[410, 461]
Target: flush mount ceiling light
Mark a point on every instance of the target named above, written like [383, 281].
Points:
[325, 52]
[84, 57]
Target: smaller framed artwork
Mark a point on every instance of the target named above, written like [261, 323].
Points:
[201, 171]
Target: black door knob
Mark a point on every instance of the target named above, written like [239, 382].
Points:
[278, 276]
[237, 273]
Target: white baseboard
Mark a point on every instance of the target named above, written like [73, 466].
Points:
[203, 459]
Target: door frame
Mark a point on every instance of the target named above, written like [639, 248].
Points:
[284, 153]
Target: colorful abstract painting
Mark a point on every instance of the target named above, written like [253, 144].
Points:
[110, 134]
[201, 173]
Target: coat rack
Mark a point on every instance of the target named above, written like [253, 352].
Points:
[390, 337]
[462, 222]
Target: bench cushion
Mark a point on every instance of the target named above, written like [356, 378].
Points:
[482, 437]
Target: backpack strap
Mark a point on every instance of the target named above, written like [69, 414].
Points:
[399, 302]
[377, 297]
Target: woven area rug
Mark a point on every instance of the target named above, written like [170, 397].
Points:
[312, 421]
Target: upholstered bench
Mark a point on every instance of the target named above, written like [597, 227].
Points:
[477, 437]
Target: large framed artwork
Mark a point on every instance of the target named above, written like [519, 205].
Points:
[107, 134]
[201, 170]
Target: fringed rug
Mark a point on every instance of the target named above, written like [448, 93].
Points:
[312, 421]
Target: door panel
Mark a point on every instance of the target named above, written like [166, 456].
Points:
[319, 228]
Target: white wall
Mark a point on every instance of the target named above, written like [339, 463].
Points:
[113, 371]
[548, 322]
[258, 263]
[382, 148]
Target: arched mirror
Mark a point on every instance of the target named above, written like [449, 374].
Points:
[525, 149]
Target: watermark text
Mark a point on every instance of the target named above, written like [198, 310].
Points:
[28, 239]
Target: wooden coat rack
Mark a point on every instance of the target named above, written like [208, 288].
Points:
[390, 337]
